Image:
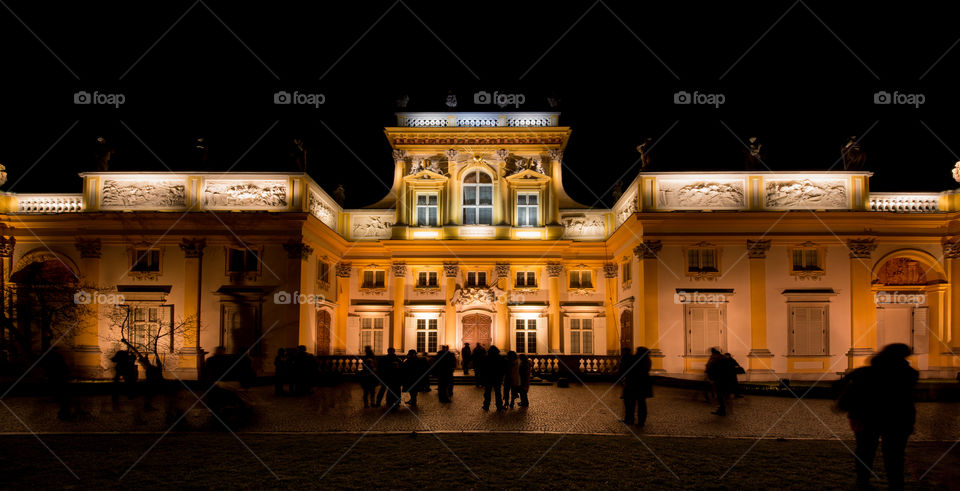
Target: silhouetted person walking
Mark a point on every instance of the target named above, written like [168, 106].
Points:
[58, 376]
[414, 375]
[493, 371]
[368, 379]
[280, 366]
[389, 370]
[124, 376]
[878, 400]
[735, 371]
[443, 368]
[465, 358]
[477, 359]
[524, 369]
[637, 387]
[511, 380]
[720, 370]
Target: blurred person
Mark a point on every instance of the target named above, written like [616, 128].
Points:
[465, 358]
[477, 359]
[368, 377]
[524, 369]
[443, 368]
[637, 387]
[720, 371]
[280, 365]
[511, 379]
[493, 372]
[414, 371]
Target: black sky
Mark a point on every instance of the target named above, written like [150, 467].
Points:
[801, 76]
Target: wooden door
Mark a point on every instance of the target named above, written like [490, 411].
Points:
[323, 333]
[476, 330]
[626, 329]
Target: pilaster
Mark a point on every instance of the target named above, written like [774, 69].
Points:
[863, 311]
[298, 257]
[344, 271]
[610, 291]
[399, 286]
[760, 358]
[86, 342]
[190, 354]
[553, 316]
[450, 272]
[648, 252]
[503, 312]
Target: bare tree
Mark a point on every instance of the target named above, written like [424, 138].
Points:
[134, 327]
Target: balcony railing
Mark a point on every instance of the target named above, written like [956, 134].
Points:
[49, 203]
[540, 364]
[905, 202]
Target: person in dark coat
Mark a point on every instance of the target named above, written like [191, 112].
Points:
[443, 368]
[879, 403]
[637, 387]
[477, 359]
[280, 365]
[414, 372]
[305, 368]
[720, 371]
[58, 376]
[368, 378]
[124, 376]
[153, 373]
[465, 359]
[215, 368]
[735, 370]
[511, 379]
[388, 369]
[524, 369]
[493, 371]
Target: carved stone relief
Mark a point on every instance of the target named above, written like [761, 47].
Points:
[700, 195]
[805, 193]
[371, 226]
[322, 211]
[582, 225]
[143, 194]
[259, 194]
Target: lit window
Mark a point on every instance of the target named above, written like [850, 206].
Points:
[144, 327]
[427, 335]
[242, 261]
[371, 333]
[625, 272]
[702, 260]
[374, 278]
[527, 209]
[526, 336]
[477, 199]
[581, 279]
[806, 259]
[427, 210]
[581, 336]
[323, 272]
[146, 261]
[526, 279]
[476, 278]
[427, 279]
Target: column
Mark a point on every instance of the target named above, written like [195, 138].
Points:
[938, 325]
[649, 253]
[191, 356]
[450, 270]
[6, 269]
[760, 359]
[951, 254]
[344, 270]
[503, 311]
[86, 342]
[552, 214]
[863, 310]
[299, 253]
[553, 307]
[399, 311]
[610, 290]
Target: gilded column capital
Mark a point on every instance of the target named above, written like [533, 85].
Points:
[298, 250]
[89, 248]
[554, 269]
[399, 269]
[757, 249]
[193, 248]
[503, 270]
[7, 245]
[951, 248]
[861, 248]
[450, 269]
[610, 270]
[344, 268]
[649, 249]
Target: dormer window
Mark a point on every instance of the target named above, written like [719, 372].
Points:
[427, 210]
[477, 198]
[527, 209]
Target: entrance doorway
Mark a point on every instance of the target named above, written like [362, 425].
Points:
[476, 329]
[323, 333]
[626, 329]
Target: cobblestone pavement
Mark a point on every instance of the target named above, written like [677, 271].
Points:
[586, 409]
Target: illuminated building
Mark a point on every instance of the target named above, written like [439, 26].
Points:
[798, 275]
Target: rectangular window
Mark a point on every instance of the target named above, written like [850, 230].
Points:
[527, 209]
[706, 329]
[144, 327]
[427, 335]
[806, 259]
[526, 279]
[581, 336]
[625, 272]
[427, 279]
[371, 333]
[374, 279]
[427, 210]
[582, 279]
[323, 272]
[476, 278]
[808, 330]
[702, 260]
[242, 261]
[526, 336]
[146, 261]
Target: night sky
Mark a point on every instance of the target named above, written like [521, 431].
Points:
[800, 76]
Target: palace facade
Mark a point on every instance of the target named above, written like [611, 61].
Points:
[798, 275]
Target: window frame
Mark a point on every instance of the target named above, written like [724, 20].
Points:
[702, 250]
[476, 207]
[580, 330]
[527, 274]
[323, 272]
[805, 250]
[475, 282]
[376, 273]
[579, 273]
[626, 272]
[527, 208]
[435, 207]
[427, 276]
[824, 308]
[428, 332]
[155, 260]
[526, 333]
[721, 310]
[373, 330]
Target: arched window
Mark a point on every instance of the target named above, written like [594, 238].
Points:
[477, 199]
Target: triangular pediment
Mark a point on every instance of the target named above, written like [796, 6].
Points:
[426, 175]
[528, 175]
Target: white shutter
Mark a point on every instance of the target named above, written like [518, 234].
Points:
[921, 330]
[696, 331]
[713, 327]
[409, 335]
